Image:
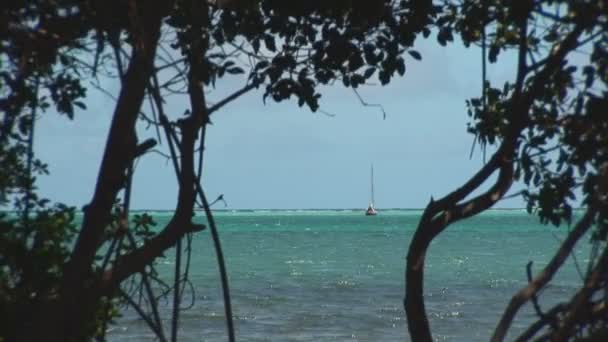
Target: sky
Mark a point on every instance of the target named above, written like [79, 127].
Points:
[281, 156]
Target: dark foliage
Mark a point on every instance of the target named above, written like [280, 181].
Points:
[53, 54]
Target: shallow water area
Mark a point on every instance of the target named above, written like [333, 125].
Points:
[339, 276]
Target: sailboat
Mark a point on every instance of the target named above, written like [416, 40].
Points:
[371, 211]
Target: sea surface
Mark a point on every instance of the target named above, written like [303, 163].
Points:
[337, 275]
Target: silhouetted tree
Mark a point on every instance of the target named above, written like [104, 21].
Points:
[60, 282]
[549, 129]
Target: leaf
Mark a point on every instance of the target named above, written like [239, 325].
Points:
[262, 65]
[235, 70]
[589, 73]
[400, 66]
[384, 77]
[356, 79]
[536, 179]
[551, 37]
[415, 54]
[63, 59]
[270, 44]
[355, 62]
[302, 74]
[369, 72]
[368, 53]
[218, 35]
[346, 81]
[80, 105]
[444, 36]
[494, 51]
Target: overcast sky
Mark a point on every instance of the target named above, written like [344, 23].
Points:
[282, 156]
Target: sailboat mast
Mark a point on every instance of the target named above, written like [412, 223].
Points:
[372, 183]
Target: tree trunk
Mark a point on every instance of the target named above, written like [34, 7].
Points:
[71, 317]
[414, 295]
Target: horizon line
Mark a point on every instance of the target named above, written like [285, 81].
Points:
[311, 209]
[288, 209]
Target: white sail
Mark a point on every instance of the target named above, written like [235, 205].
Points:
[370, 209]
[372, 203]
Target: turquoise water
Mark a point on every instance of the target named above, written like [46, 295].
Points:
[339, 276]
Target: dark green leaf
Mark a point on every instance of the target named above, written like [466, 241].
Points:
[270, 44]
[369, 72]
[401, 66]
[235, 70]
[415, 54]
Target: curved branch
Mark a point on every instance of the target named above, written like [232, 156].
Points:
[220, 262]
[367, 104]
[467, 188]
[438, 215]
[544, 277]
[429, 228]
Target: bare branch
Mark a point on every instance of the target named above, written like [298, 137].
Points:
[366, 104]
[326, 113]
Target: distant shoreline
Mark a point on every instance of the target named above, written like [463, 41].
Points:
[312, 209]
[296, 209]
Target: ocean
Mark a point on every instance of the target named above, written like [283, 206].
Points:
[337, 275]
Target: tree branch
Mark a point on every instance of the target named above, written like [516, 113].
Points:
[230, 98]
[220, 262]
[366, 104]
[544, 277]
[438, 215]
[536, 326]
[119, 152]
[428, 229]
[579, 305]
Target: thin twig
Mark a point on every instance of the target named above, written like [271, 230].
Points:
[366, 104]
[220, 261]
[176, 290]
[151, 298]
[30, 156]
[230, 98]
[534, 298]
[141, 312]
